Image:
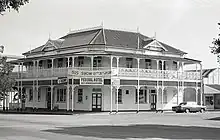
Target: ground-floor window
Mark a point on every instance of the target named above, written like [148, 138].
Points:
[30, 94]
[142, 96]
[119, 96]
[80, 95]
[209, 100]
[61, 95]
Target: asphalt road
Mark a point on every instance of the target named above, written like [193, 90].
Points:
[103, 126]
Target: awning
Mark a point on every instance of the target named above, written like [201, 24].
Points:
[212, 89]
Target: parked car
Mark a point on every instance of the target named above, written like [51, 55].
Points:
[189, 107]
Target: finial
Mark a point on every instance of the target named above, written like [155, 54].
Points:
[155, 36]
[137, 29]
[102, 24]
[49, 35]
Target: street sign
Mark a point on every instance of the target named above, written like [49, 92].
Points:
[62, 80]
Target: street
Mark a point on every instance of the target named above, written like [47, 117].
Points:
[116, 126]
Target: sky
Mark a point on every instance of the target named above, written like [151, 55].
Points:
[189, 25]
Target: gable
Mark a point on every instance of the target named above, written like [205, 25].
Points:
[155, 46]
[49, 46]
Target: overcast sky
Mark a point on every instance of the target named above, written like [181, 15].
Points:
[189, 25]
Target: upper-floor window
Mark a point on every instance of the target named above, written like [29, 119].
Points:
[175, 65]
[70, 62]
[97, 62]
[49, 63]
[129, 62]
[162, 66]
[60, 62]
[40, 64]
[80, 61]
[147, 64]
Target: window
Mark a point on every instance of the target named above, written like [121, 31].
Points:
[127, 91]
[97, 62]
[30, 94]
[48, 92]
[61, 95]
[60, 62]
[142, 96]
[209, 100]
[174, 65]
[80, 95]
[40, 64]
[80, 61]
[39, 95]
[147, 64]
[129, 62]
[70, 62]
[49, 63]
[119, 96]
[160, 65]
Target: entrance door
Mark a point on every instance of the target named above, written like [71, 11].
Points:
[153, 101]
[97, 102]
[48, 98]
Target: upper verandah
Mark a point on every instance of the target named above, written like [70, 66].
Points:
[103, 37]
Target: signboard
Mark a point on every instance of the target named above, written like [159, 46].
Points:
[62, 80]
[116, 82]
[91, 81]
[75, 72]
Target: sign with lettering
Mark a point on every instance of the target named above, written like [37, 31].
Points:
[75, 72]
[91, 81]
[115, 82]
[62, 80]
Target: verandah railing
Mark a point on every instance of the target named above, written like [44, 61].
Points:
[106, 71]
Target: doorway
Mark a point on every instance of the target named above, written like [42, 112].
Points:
[96, 102]
[48, 91]
[153, 101]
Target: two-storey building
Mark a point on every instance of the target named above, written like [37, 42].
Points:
[211, 80]
[99, 69]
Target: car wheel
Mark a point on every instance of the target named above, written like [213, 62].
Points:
[202, 110]
[187, 110]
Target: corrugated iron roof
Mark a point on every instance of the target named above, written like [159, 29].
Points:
[108, 37]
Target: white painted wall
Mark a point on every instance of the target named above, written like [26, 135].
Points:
[127, 99]
[35, 103]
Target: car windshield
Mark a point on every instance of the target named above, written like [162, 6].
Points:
[182, 104]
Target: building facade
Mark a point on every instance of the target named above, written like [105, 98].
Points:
[100, 69]
[211, 79]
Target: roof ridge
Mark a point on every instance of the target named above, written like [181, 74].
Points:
[85, 30]
[123, 30]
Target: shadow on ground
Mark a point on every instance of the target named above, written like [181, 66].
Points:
[142, 131]
[215, 119]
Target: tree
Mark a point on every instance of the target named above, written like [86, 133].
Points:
[215, 49]
[11, 4]
[7, 82]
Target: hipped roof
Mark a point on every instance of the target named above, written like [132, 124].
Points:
[108, 37]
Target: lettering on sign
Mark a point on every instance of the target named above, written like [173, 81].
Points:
[116, 82]
[91, 81]
[89, 73]
[62, 80]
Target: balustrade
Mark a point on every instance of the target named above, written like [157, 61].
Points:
[106, 71]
